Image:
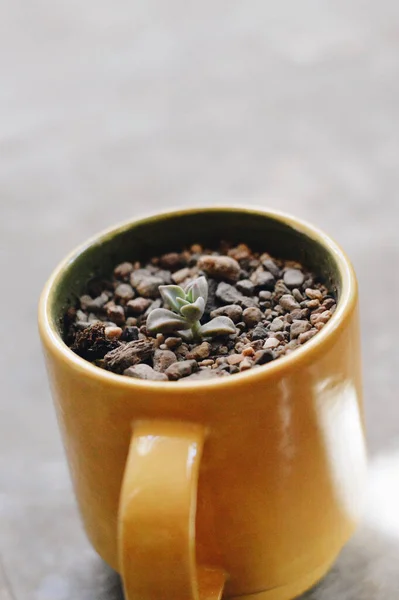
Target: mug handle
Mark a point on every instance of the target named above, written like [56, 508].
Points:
[156, 524]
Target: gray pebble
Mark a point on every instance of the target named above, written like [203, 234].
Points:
[163, 359]
[271, 266]
[124, 291]
[144, 371]
[277, 324]
[233, 311]
[246, 287]
[288, 302]
[181, 369]
[293, 278]
[138, 275]
[259, 333]
[228, 293]
[148, 287]
[263, 356]
[123, 270]
[138, 306]
[263, 280]
[299, 327]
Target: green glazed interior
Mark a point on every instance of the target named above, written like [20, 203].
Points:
[169, 232]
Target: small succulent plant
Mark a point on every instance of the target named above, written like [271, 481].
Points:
[187, 307]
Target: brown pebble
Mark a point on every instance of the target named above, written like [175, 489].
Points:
[313, 294]
[323, 317]
[123, 270]
[116, 313]
[304, 337]
[124, 292]
[220, 267]
[179, 276]
[246, 364]
[240, 252]
[181, 369]
[297, 295]
[163, 359]
[299, 327]
[234, 359]
[319, 325]
[131, 322]
[144, 371]
[329, 303]
[288, 302]
[171, 260]
[248, 351]
[173, 342]
[138, 306]
[207, 362]
[313, 304]
[113, 333]
[200, 352]
[196, 249]
[251, 316]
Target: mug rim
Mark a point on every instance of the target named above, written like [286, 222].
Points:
[345, 305]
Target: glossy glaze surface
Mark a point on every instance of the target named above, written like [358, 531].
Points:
[281, 476]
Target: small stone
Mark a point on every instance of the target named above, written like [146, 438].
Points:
[138, 306]
[313, 294]
[297, 295]
[259, 333]
[123, 270]
[165, 275]
[312, 304]
[247, 302]
[196, 249]
[131, 322]
[138, 275]
[241, 326]
[179, 276]
[115, 313]
[144, 371]
[228, 293]
[173, 342]
[82, 316]
[280, 289]
[288, 302]
[263, 280]
[293, 278]
[208, 362]
[271, 342]
[182, 350]
[220, 267]
[235, 359]
[93, 304]
[299, 314]
[271, 266]
[148, 287]
[124, 292]
[240, 252]
[251, 316]
[207, 373]
[113, 333]
[246, 364]
[233, 311]
[171, 260]
[163, 359]
[248, 351]
[299, 327]
[263, 356]
[200, 352]
[319, 325]
[130, 334]
[127, 355]
[277, 324]
[246, 287]
[329, 303]
[181, 369]
[265, 295]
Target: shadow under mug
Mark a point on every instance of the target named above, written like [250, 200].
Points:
[247, 486]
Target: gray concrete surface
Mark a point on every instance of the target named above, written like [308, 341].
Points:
[110, 109]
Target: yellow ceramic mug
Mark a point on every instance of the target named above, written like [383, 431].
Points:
[247, 486]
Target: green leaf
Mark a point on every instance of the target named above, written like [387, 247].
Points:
[198, 289]
[193, 312]
[181, 302]
[170, 294]
[162, 320]
[218, 326]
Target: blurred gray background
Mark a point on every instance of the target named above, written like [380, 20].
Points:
[111, 109]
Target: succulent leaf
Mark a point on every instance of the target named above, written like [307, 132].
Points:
[194, 311]
[170, 294]
[218, 326]
[198, 289]
[181, 302]
[165, 321]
